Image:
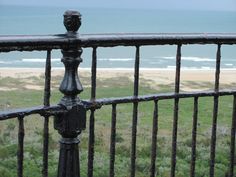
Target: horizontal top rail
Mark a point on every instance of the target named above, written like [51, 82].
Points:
[60, 41]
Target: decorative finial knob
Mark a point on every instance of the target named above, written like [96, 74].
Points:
[72, 21]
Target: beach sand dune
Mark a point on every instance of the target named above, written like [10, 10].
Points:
[191, 80]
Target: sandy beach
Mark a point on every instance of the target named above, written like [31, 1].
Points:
[153, 77]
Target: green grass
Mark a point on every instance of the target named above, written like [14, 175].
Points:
[120, 86]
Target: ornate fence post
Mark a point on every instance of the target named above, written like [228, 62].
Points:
[70, 124]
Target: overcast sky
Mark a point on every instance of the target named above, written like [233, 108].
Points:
[225, 5]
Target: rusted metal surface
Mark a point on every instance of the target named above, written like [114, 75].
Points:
[91, 144]
[41, 110]
[176, 112]
[113, 141]
[215, 113]
[47, 82]
[47, 94]
[92, 116]
[63, 41]
[20, 151]
[232, 143]
[70, 124]
[164, 96]
[154, 139]
[135, 112]
[94, 74]
[194, 137]
[98, 103]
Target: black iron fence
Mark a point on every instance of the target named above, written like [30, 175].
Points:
[70, 114]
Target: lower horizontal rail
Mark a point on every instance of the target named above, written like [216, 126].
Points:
[161, 96]
[96, 104]
[42, 110]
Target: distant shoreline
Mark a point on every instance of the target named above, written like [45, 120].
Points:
[120, 69]
[153, 76]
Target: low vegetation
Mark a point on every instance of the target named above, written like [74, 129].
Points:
[23, 96]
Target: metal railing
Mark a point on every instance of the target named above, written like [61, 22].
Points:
[70, 114]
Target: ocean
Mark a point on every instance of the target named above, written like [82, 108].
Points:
[20, 20]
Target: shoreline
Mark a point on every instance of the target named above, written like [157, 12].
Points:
[119, 69]
[155, 75]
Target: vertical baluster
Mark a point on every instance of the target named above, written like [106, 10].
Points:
[232, 145]
[178, 66]
[213, 136]
[136, 71]
[217, 72]
[94, 74]
[113, 141]
[47, 94]
[91, 123]
[215, 112]
[91, 144]
[47, 86]
[176, 111]
[135, 113]
[194, 137]
[20, 151]
[154, 139]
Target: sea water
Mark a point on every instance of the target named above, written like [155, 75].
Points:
[20, 20]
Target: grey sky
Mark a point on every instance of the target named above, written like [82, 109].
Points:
[228, 5]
